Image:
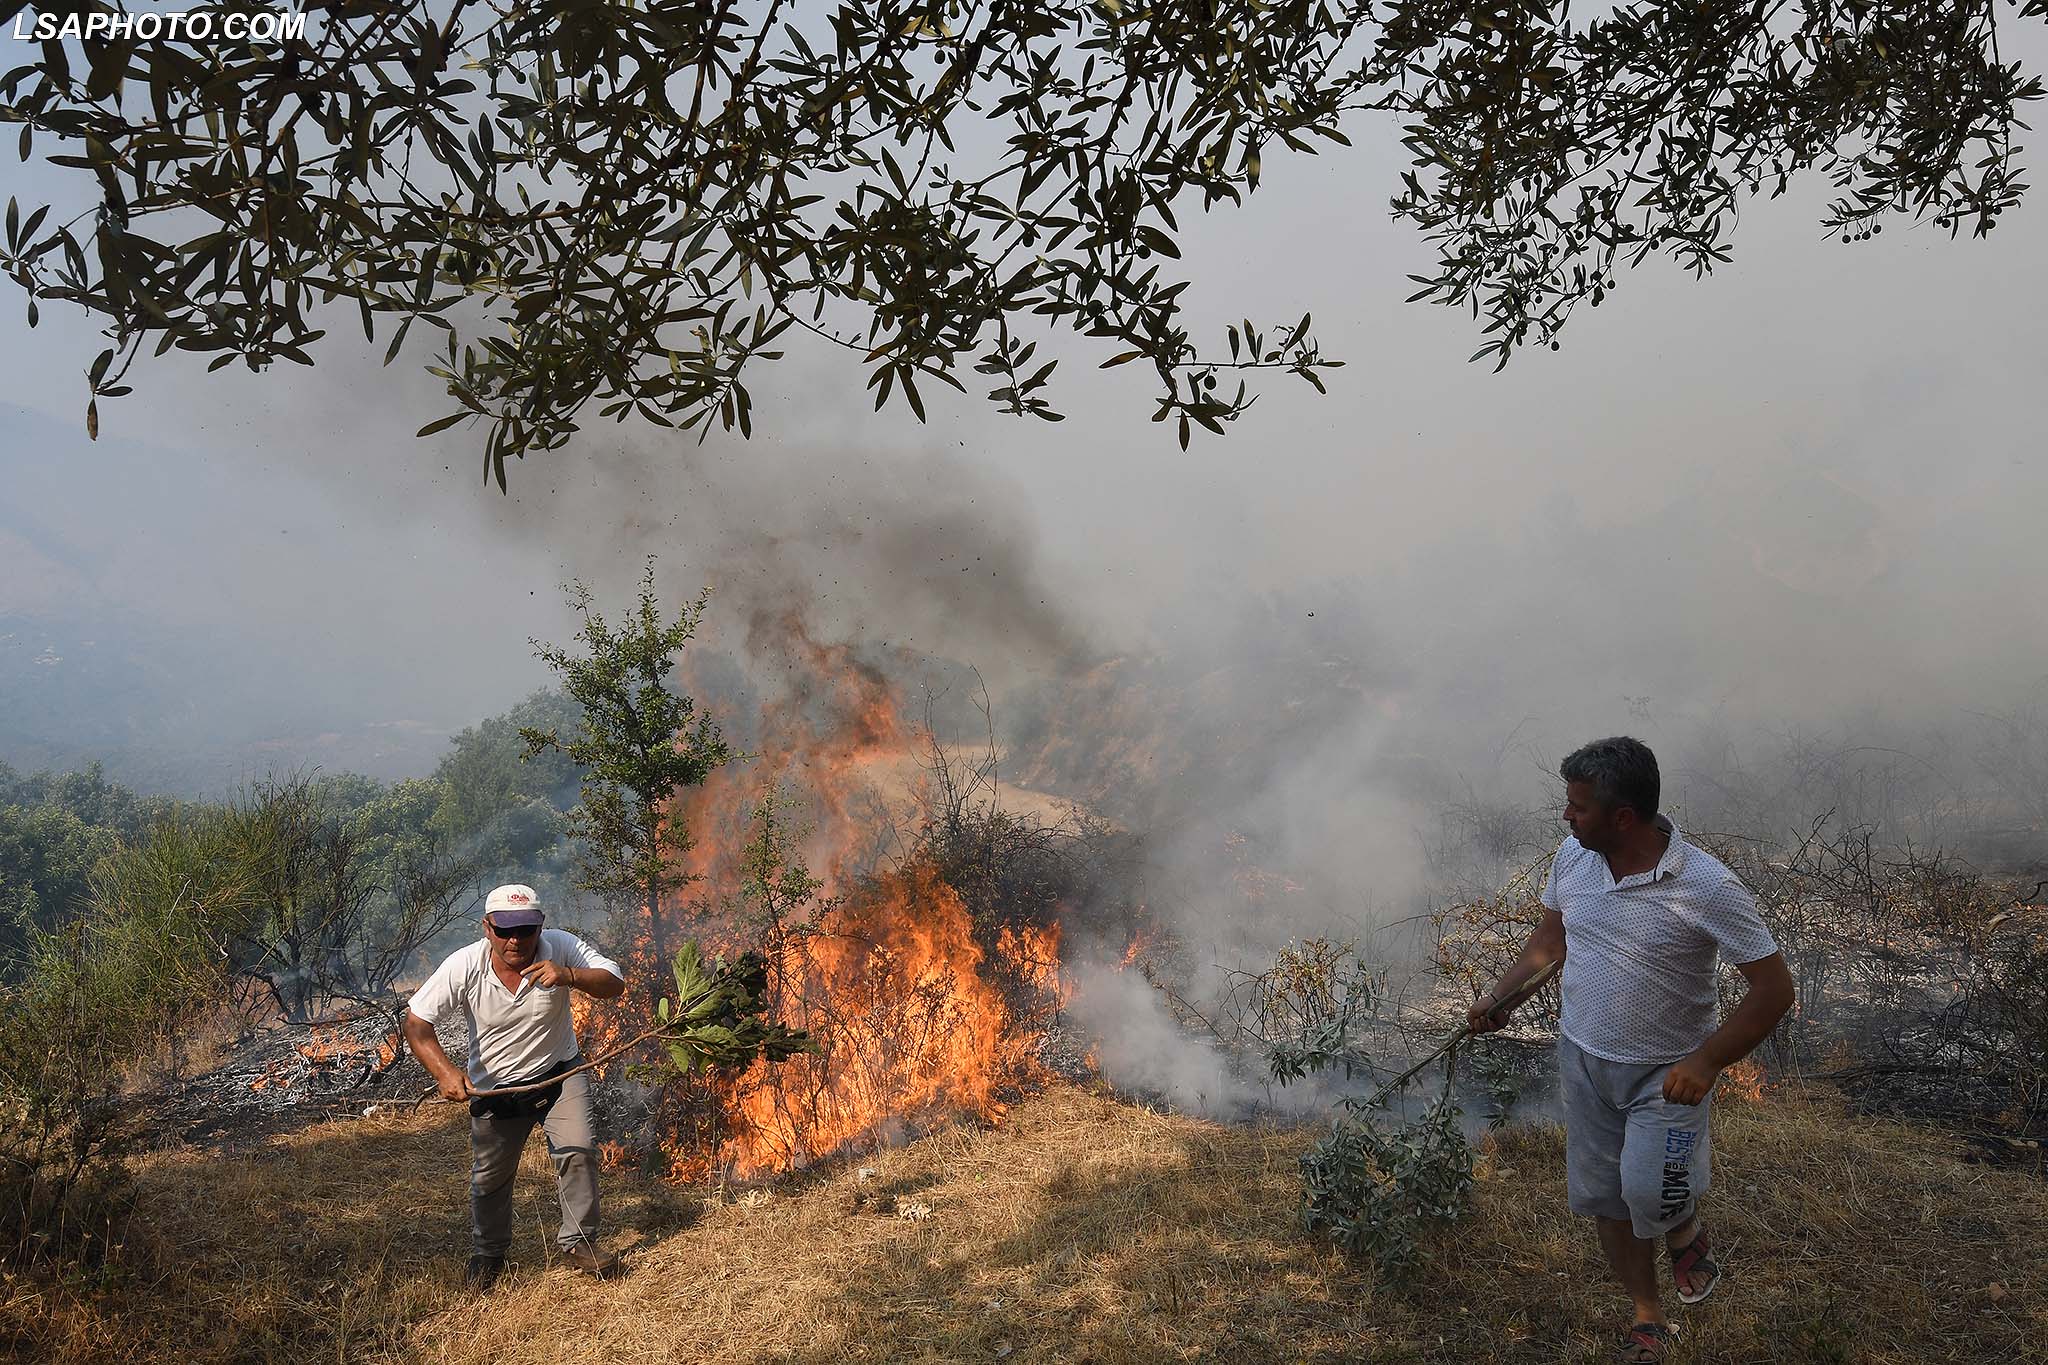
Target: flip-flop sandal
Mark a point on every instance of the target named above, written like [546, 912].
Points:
[1647, 1343]
[1694, 1258]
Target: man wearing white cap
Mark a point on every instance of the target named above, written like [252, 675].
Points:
[512, 989]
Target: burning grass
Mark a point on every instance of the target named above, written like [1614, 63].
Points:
[1082, 1229]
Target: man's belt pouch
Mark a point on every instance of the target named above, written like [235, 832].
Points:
[531, 1105]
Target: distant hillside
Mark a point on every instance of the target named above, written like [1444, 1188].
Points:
[169, 712]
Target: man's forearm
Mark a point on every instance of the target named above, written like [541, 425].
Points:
[1771, 991]
[425, 1046]
[1746, 1028]
[1543, 948]
[595, 982]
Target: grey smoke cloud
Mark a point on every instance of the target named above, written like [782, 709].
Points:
[1141, 1047]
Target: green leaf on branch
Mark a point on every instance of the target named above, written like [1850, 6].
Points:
[716, 1019]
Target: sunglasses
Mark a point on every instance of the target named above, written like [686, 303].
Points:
[516, 931]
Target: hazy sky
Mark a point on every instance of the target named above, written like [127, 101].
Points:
[1804, 488]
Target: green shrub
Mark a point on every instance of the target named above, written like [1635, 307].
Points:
[1374, 1193]
[1372, 1188]
[146, 957]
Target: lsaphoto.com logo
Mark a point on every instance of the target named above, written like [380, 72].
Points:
[111, 26]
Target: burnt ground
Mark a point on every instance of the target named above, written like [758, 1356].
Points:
[1978, 1109]
[282, 1077]
[1924, 1062]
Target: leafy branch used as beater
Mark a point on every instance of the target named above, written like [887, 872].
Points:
[1372, 1192]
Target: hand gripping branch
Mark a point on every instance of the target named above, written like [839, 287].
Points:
[1464, 1031]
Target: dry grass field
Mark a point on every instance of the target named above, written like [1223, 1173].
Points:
[1081, 1230]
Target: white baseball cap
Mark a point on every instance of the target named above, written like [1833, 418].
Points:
[512, 905]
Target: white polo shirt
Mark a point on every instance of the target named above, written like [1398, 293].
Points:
[514, 1036]
[1639, 952]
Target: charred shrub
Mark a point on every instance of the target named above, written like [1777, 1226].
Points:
[1480, 935]
[1316, 989]
[342, 900]
[1908, 960]
[2013, 970]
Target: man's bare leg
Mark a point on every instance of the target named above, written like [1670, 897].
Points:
[1634, 1262]
[1678, 1239]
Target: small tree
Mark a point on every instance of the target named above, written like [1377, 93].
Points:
[505, 808]
[427, 883]
[46, 857]
[778, 893]
[315, 889]
[640, 743]
[351, 882]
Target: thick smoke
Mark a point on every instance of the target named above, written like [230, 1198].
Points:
[928, 552]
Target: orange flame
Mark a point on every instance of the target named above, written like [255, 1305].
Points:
[917, 1015]
[1032, 951]
[1744, 1081]
[320, 1048]
[909, 1026]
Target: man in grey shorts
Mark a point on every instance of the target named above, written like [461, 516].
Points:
[1638, 917]
[512, 990]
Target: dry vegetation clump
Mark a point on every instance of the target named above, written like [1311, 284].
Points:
[1479, 936]
[1082, 1229]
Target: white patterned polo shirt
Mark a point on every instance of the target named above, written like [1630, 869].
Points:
[1639, 953]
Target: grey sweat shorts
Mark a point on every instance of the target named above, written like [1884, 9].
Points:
[1629, 1153]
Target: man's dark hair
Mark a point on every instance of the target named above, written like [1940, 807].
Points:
[1623, 772]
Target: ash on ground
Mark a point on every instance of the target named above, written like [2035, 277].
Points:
[281, 1077]
[1063, 1050]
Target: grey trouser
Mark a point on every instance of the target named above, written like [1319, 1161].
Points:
[494, 1146]
[1629, 1153]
